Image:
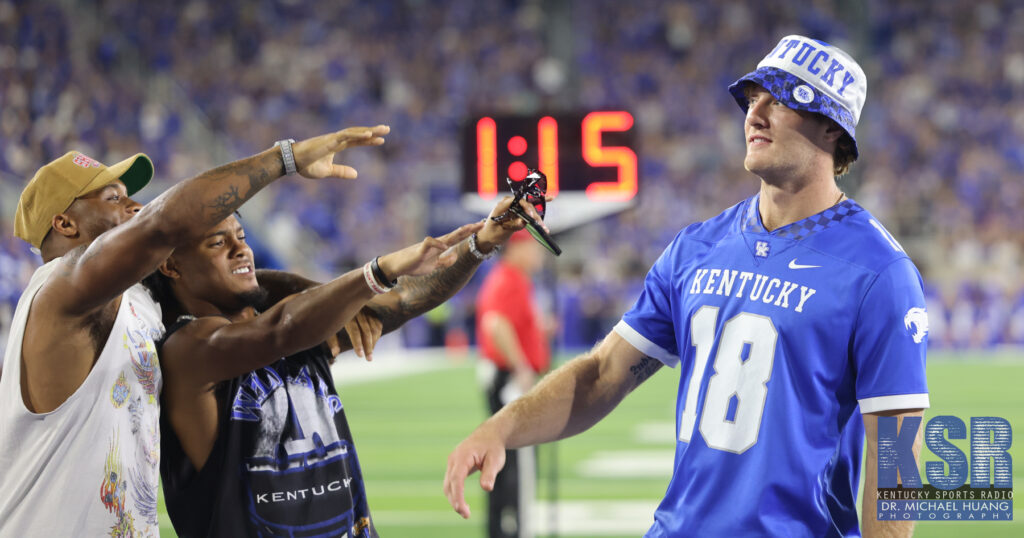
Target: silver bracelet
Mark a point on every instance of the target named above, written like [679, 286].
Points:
[287, 157]
[476, 252]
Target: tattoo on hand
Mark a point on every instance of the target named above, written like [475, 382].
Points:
[644, 369]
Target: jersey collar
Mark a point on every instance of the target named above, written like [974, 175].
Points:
[800, 229]
[764, 244]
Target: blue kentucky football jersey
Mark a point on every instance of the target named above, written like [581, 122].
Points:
[780, 336]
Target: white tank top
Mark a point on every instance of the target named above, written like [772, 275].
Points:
[91, 466]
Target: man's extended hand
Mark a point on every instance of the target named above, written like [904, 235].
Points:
[428, 255]
[314, 157]
[482, 451]
[364, 331]
[495, 234]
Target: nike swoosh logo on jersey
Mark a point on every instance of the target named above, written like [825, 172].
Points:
[794, 265]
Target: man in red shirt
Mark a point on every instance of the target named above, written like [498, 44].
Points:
[512, 340]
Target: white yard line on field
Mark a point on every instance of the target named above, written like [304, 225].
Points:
[627, 464]
[389, 364]
[571, 518]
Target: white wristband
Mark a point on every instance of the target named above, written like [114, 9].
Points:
[371, 281]
[287, 156]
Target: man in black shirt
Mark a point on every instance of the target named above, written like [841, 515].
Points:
[254, 436]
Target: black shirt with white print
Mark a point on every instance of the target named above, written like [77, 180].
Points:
[283, 463]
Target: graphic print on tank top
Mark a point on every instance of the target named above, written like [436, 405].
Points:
[128, 491]
[301, 475]
[145, 364]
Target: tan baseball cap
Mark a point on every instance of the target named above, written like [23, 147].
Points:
[55, 186]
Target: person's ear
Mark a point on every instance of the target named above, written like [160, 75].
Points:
[833, 132]
[170, 268]
[65, 225]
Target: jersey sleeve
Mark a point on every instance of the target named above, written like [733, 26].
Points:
[890, 341]
[648, 326]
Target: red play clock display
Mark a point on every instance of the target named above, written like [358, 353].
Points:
[589, 158]
[589, 152]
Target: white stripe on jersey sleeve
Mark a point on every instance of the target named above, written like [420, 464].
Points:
[645, 346]
[894, 402]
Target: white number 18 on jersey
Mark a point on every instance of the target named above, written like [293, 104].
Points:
[734, 375]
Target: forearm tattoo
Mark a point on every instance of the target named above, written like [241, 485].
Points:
[256, 169]
[644, 369]
[224, 204]
[260, 178]
[420, 294]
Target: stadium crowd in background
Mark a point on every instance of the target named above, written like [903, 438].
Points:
[942, 166]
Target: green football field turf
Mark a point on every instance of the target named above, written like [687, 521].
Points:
[609, 479]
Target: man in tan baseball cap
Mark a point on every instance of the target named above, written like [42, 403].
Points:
[56, 186]
[80, 391]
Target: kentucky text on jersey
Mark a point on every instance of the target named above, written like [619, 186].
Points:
[766, 289]
[284, 496]
[806, 51]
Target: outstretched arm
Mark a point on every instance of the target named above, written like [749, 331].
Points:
[566, 402]
[121, 257]
[414, 295]
[76, 306]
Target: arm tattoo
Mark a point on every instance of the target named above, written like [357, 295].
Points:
[416, 295]
[420, 294]
[256, 169]
[225, 204]
[259, 179]
[644, 369]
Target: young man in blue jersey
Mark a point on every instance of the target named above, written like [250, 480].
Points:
[787, 314]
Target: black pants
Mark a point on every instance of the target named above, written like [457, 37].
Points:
[505, 514]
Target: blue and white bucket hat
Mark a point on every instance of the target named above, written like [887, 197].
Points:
[807, 74]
